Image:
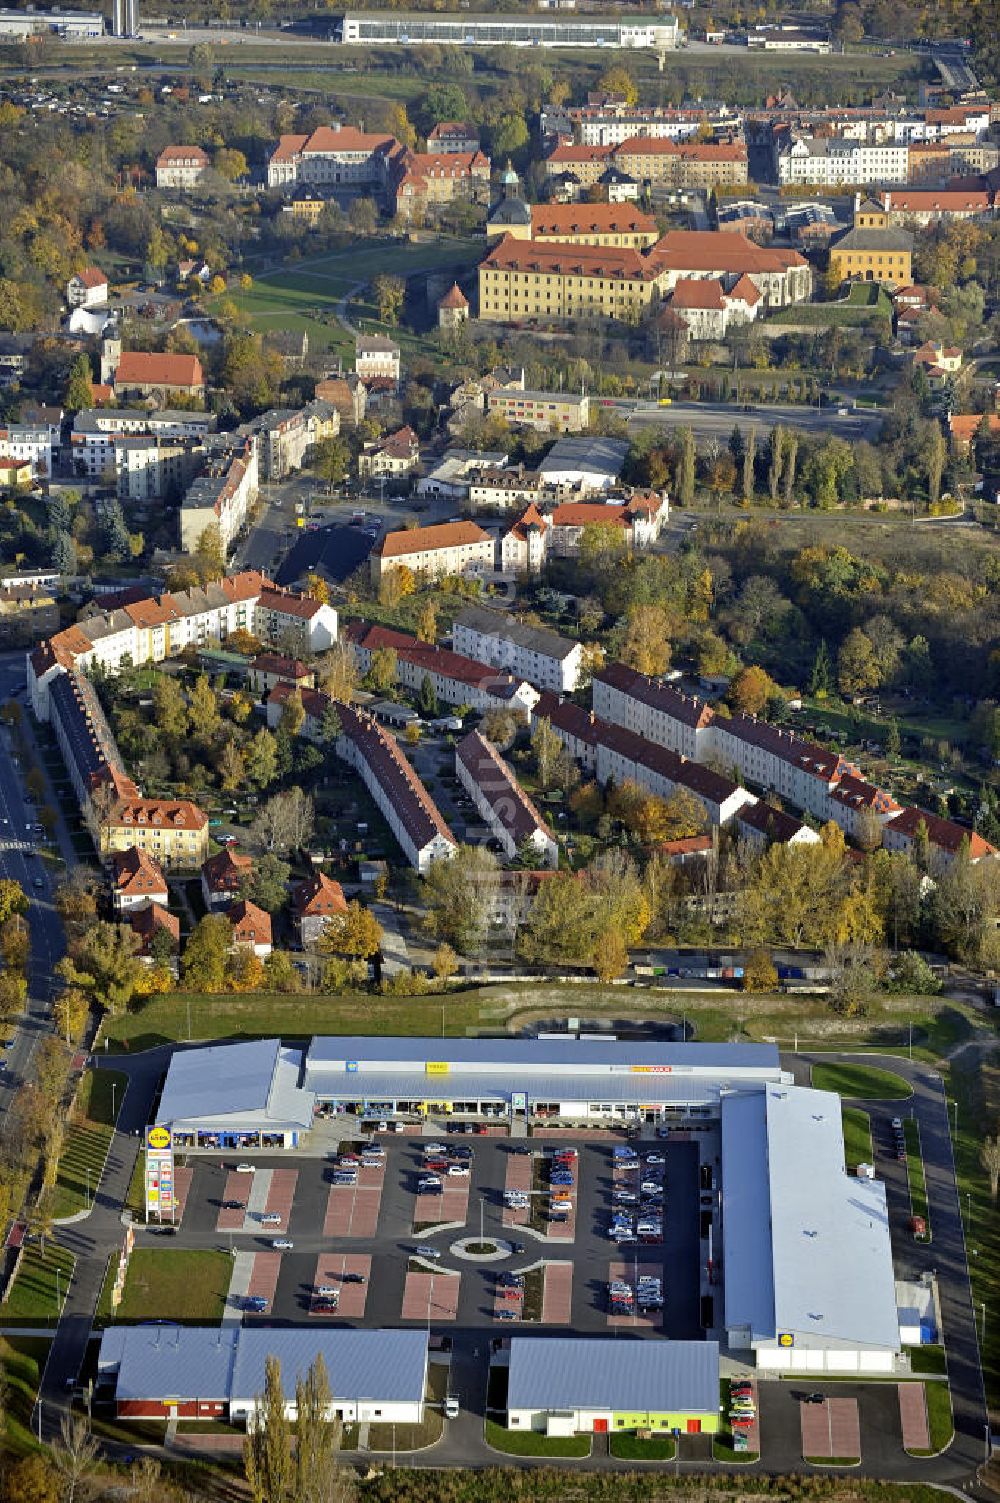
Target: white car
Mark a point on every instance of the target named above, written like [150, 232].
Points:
[451, 1407]
[326, 1290]
[246, 1168]
[458, 1171]
[424, 1250]
[283, 1243]
[431, 1150]
[270, 1219]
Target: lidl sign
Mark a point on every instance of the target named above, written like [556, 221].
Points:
[158, 1138]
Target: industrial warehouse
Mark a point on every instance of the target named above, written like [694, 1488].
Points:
[798, 1263]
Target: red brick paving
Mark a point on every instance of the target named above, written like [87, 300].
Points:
[815, 1424]
[913, 1417]
[831, 1428]
[330, 1269]
[431, 1296]
[452, 1205]
[629, 1273]
[182, 1189]
[557, 1293]
[237, 1188]
[565, 1231]
[280, 1194]
[518, 1176]
[264, 1276]
[579, 1135]
[352, 1210]
[508, 1299]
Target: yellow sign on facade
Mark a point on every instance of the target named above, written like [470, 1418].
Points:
[437, 1067]
[158, 1137]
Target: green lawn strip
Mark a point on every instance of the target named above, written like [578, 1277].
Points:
[639, 1448]
[833, 1460]
[38, 1292]
[534, 1289]
[175, 1284]
[975, 1086]
[940, 1420]
[129, 1432]
[88, 1137]
[530, 1443]
[857, 1137]
[23, 1359]
[915, 1168]
[416, 1437]
[860, 1082]
[928, 1359]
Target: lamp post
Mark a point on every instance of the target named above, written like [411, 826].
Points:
[114, 1114]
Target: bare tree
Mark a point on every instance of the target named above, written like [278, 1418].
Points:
[989, 1152]
[285, 822]
[74, 1455]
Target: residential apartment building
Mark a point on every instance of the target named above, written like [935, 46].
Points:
[181, 166]
[347, 395]
[838, 162]
[221, 497]
[333, 155]
[546, 411]
[87, 288]
[148, 922]
[682, 164]
[610, 123]
[502, 803]
[284, 438]
[29, 609]
[524, 549]
[316, 902]
[542, 656]
[394, 456]
[447, 548]
[533, 279]
[138, 374]
[270, 668]
[804, 775]
[455, 679]
[503, 490]
[616, 755]
[375, 357]
[28, 444]
[401, 28]
[584, 164]
[642, 518]
[907, 830]
[618, 225]
[148, 468]
[96, 429]
[154, 629]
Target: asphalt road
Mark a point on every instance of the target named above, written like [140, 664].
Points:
[717, 420]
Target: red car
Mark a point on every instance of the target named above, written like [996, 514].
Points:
[440, 1165]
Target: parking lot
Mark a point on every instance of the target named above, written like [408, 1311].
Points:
[364, 1212]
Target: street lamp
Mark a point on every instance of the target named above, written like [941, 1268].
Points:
[114, 1091]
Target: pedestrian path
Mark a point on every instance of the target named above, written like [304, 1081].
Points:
[239, 1287]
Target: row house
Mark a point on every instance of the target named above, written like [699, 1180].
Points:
[221, 497]
[760, 825]
[835, 162]
[159, 627]
[682, 164]
[611, 124]
[542, 656]
[270, 668]
[334, 156]
[456, 680]
[173, 831]
[945, 839]
[459, 548]
[502, 803]
[148, 468]
[641, 518]
[616, 755]
[782, 277]
[921, 207]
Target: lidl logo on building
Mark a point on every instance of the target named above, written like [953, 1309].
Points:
[158, 1137]
[785, 1338]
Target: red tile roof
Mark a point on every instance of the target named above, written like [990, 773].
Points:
[159, 813]
[590, 219]
[501, 789]
[135, 873]
[92, 276]
[964, 426]
[698, 292]
[719, 251]
[422, 539]
[454, 298]
[413, 805]
[688, 151]
[182, 156]
[559, 258]
[531, 518]
[318, 896]
[224, 871]
[251, 925]
[942, 833]
[147, 920]
[683, 707]
[138, 368]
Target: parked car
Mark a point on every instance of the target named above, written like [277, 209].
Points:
[283, 1244]
[246, 1168]
[451, 1407]
[424, 1250]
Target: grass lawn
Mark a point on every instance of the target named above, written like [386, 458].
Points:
[833, 1460]
[38, 1292]
[88, 1135]
[175, 1285]
[857, 1137]
[975, 1085]
[635, 1448]
[530, 1443]
[915, 1168]
[928, 1359]
[416, 1437]
[939, 1415]
[534, 1289]
[23, 1358]
[860, 1082]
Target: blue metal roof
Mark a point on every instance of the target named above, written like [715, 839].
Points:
[615, 1374]
[330, 1053]
[237, 1086]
